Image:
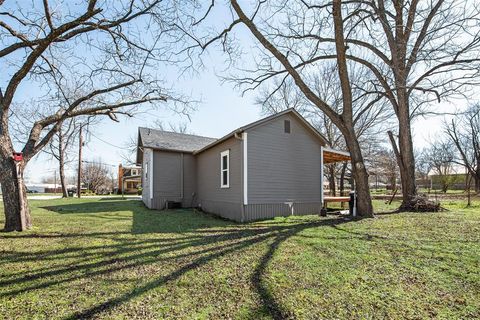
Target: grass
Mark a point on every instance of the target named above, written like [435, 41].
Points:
[113, 258]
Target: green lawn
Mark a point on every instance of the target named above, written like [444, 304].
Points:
[97, 258]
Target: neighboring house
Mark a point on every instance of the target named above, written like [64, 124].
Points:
[272, 167]
[129, 179]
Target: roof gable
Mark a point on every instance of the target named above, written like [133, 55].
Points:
[181, 142]
[263, 121]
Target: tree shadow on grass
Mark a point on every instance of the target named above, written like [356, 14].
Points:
[143, 219]
[199, 239]
[247, 237]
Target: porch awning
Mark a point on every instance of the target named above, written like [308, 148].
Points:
[332, 155]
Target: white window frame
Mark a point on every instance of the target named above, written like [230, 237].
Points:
[222, 170]
[134, 172]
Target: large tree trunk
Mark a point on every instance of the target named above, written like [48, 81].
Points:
[407, 158]
[364, 201]
[360, 175]
[15, 204]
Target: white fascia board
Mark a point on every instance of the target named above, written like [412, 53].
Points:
[245, 168]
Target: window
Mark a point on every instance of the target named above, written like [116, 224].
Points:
[134, 172]
[225, 169]
[286, 126]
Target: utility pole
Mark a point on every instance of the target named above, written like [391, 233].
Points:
[79, 178]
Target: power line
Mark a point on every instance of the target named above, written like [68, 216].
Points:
[110, 144]
[96, 162]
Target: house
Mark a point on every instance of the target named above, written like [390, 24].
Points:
[271, 167]
[129, 179]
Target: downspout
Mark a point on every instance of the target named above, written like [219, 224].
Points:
[151, 176]
[321, 178]
[181, 178]
[244, 139]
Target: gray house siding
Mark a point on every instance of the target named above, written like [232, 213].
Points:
[282, 174]
[171, 182]
[283, 168]
[225, 202]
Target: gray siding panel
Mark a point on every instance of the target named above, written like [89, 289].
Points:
[170, 183]
[266, 211]
[283, 167]
[227, 210]
[167, 168]
[270, 210]
[225, 202]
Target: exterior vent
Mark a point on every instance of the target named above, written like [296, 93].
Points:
[286, 125]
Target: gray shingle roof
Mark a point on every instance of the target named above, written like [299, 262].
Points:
[166, 140]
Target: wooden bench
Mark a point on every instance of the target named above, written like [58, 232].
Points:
[326, 200]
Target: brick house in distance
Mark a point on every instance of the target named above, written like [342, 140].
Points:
[129, 179]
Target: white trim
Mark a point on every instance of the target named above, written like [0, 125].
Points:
[354, 211]
[245, 169]
[151, 174]
[223, 154]
[321, 175]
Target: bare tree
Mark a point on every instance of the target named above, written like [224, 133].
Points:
[418, 52]
[96, 176]
[130, 147]
[386, 164]
[178, 127]
[464, 132]
[60, 148]
[290, 46]
[441, 156]
[105, 50]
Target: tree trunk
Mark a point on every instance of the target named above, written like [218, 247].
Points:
[360, 175]
[61, 164]
[17, 213]
[62, 180]
[407, 159]
[364, 201]
[342, 179]
[331, 180]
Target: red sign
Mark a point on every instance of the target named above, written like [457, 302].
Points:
[17, 156]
